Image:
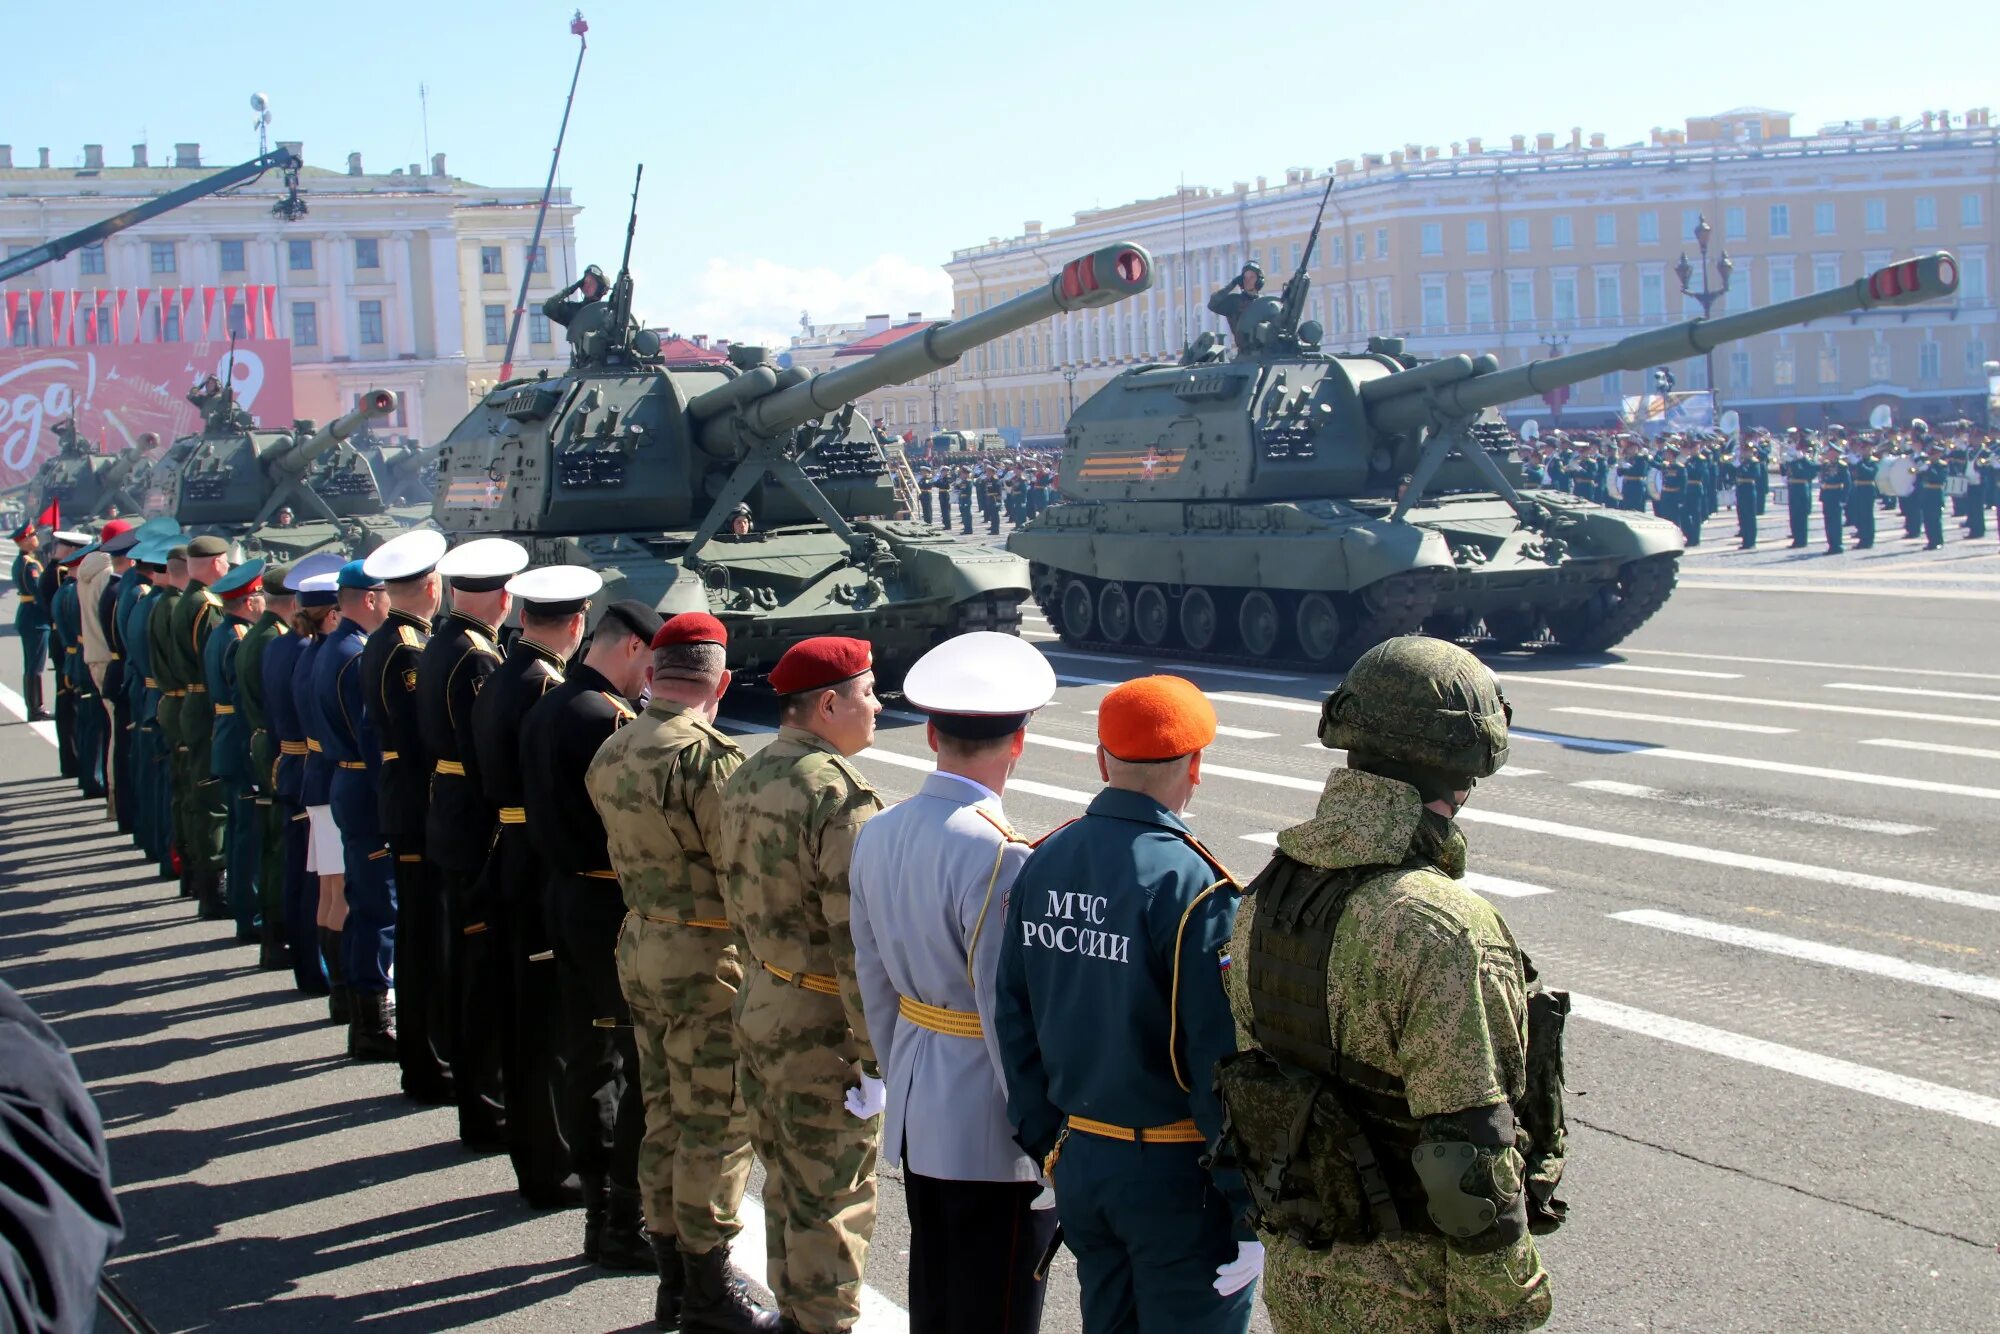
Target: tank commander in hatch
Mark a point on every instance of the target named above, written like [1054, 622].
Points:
[584, 314]
[1233, 301]
[739, 521]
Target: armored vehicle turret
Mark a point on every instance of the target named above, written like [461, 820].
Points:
[1290, 504]
[280, 493]
[636, 468]
[86, 483]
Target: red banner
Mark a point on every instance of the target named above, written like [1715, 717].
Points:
[119, 392]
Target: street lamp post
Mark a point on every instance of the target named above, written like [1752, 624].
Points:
[1558, 396]
[1069, 374]
[936, 386]
[1707, 297]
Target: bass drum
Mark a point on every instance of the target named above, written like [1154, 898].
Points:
[1897, 477]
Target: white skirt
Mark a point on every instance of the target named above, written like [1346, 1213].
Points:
[323, 855]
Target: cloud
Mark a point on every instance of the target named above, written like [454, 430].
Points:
[760, 300]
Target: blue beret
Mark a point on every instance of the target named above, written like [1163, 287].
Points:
[355, 574]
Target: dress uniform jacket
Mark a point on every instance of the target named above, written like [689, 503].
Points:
[368, 938]
[559, 738]
[528, 672]
[459, 827]
[300, 894]
[231, 765]
[316, 786]
[389, 674]
[930, 880]
[142, 691]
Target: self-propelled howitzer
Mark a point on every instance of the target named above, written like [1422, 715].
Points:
[636, 468]
[1290, 504]
[84, 483]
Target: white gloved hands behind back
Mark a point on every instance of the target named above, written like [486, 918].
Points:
[1240, 1273]
[867, 1101]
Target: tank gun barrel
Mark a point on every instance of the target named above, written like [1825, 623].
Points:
[291, 464]
[1101, 278]
[1412, 398]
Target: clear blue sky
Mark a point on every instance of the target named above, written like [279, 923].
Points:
[830, 156]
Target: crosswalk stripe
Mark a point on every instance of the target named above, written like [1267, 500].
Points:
[1911, 690]
[1747, 762]
[1644, 793]
[1973, 751]
[1622, 716]
[1738, 861]
[1919, 1093]
[1513, 678]
[1798, 662]
[1789, 947]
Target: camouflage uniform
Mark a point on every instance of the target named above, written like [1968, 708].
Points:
[789, 821]
[657, 785]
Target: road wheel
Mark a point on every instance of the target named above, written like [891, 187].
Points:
[1317, 624]
[1259, 627]
[1152, 616]
[1114, 613]
[1199, 619]
[1079, 610]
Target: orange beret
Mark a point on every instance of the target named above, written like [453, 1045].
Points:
[824, 660]
[1155, 718]
[691, 627]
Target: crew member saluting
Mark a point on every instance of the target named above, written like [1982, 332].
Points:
[1111, 1017]
[930, 881]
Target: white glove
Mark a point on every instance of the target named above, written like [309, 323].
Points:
[867, 1102]
[1047, 1199]
[1241, 1272]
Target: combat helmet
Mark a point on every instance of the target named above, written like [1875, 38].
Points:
[1421, 710]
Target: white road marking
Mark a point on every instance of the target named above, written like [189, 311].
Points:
[19, 708]
[1622, 716]
[1474, 880]
[890, 757]
[1039, 634]
[1645, 793]
[1972, 751]
[1737, 861]
[1665, 671]
[1228, 671]
[1511, 679]
[1719, 586]
[1911, 690]
[1919, 1093]
[1085, 681]
[1746, 762]
[1258, 701]
[1797, 662]
[1860, 961]
[1087, 657]
[1312, 785]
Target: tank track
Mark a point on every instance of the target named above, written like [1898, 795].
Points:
[1397, 605]
[1643, 587]
[986, 613]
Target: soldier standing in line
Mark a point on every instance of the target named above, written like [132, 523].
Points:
[964, 487]
[94, 577]
[600, 1106]
[657, 785]
[31, 619]
[63, 631]
[117, 541]
[1931, 478]
[461, 827]
[1834, 483]
[1861, 508]
[195, 617]
[1741, 473]
[273, 950]
[313, 607]
[167, 713]
[930, 882]
[1799, 474]
[326, 857]
[924, 494]
[810, 1079]
[367, 925]
[1365, 970]
[407, 565]
[135, 611]
[552, 599]
[1632, 470]
[1111, 1018]
[241, 592]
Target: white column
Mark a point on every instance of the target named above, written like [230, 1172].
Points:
[447, 310]
[336, 255]
[405, 337]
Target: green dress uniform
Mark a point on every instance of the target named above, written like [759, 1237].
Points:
[230, 767]
[31, 625]
[151, 821]
[1799, 474]
[168, 709]
[268, 811]
[203, 809]
[1861, 502]
[1835, 481]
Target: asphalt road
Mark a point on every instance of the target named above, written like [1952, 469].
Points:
[1759, 843]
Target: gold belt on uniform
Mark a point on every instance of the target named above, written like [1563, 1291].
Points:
[351, 764]
[174, 694]
[292, 748]
[706, 923]
[69, 648]
[313, 746]
[197, 690]
[452, 767]
[152, 684]
[221, 709]
[1179, 1132]
[388, 755]
[825, 986]
[513, 815]
[952, 1023]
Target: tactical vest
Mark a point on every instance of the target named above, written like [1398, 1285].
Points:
[1323, 1141]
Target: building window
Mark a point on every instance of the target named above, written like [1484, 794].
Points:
[1383, 319]
[1968, 211]
[1739, 370]
[1295, 262]
[1928, 360]
[1521, 300]
[1475, 238]
[1381, 243]
[1875, 215]
[1972, 279]
[1735, 224]
[1479, 304]
[1926, 213]
[538, 259]
[1652, 296]
[1784, 368]
[1690, 219]
[1434, 312]
[1781, 219]
[1829, 363]
[237, 324]
[1975, 357]
[232, 257]
[170, 323]
[538, 329]
[1612, 385]
[1361, 312]
[1562, 299]
[371, 323]
[24, 332]
[1517, 233]
[1781, 283]
[1433, 238]
[305, 324]
[1826, 274]
[1822, 220]
[1607, 297]
[160, 257]
[367, 253]
[1338, 254]
[1694, 375]
[1649, 227]
[1607, 229]
[1561, 235]
[90, 259]
[1879, 369]
[299, 256]
[489, 259]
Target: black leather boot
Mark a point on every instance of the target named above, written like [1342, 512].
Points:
[595, 1198]
[673, 1282]
[273, 954]
[623, 1245]
[212, 903]
[371, 1034]
[717, 1299]
[339, 1007]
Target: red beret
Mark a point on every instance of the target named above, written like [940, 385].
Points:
[691, 627]
[116, 528]
[1155, 718]
[825, 660]
[243, 590]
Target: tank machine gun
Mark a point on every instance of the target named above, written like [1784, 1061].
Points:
[1287, 503]
[634, 467]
